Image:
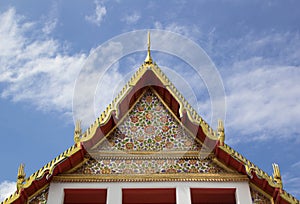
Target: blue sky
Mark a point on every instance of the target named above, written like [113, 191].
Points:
[255, 45]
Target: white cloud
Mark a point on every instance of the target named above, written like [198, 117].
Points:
[296, 165]
[191, 32]
[51, 19]
[6, 189]
[262, 87]
[35, 70]
[132, 18]
[97, 17]
[40, 72]
[291, 183]
[261, 96]
[90, 91]
[50, 26]
[263, 102]
[261, 77]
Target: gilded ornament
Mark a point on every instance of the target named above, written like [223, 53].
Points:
[148, 59]
[221, 132]
[277, 175]
[77, 131]
[21, 177]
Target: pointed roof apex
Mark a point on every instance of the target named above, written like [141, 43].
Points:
[148, 59]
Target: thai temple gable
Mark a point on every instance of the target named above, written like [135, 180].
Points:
[150, 140]
[149, 135]
[149, 127]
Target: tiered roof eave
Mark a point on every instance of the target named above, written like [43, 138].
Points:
[75, 154]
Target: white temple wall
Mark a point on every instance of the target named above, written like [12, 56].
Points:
[183, 196]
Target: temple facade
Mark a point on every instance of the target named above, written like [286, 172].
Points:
[150, 147]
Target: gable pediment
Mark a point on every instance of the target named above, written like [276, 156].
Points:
[150, 140]
[149, 126]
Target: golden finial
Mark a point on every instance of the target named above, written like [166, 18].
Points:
[221, 132]
[77, 131]
[148, 59]
[276, 175]
[21, 177]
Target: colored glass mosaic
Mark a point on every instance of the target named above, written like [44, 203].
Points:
[41, 198]
[149, 126]
[259, 198]
[151, 166]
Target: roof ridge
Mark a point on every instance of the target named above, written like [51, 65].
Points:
[251, 167]
[184, 104]
[40, 173]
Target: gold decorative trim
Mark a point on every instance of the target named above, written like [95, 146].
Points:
[37, 193]
[49, 167]
[223, 166]
[262, 192]
[288, 197]
[175, 117]
[148, 59]
[150, 154]
[249, 166]
[170, 111]
[192, 115]
[151, 178]
[119, 122]
[77, 166]
[184, 105]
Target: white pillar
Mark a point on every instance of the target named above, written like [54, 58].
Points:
[56, 194]
[114, 194]
[243, 195]
[183, 195]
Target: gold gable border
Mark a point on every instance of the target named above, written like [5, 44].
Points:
[113, 107]
[47, 169]
[192, 115]
[184, 105]
[151, 178]
[204, 149]
[250, 167]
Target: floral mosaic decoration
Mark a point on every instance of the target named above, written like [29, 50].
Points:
[40, 198]
[149, 127]
[150, 166]
[258, 198]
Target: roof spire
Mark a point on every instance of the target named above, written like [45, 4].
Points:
[221, 132]
[21, 177]
[77, 131]
[277, 175]
[148, 59]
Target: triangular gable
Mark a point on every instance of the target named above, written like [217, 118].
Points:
[149, 127]
[150, 140]
[149, 75]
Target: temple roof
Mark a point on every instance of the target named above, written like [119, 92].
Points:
[149, 81]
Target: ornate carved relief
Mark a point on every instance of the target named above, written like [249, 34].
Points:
[41, 198]
[149, 127]
[259, 198]
[151, 166]
[150, 140]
